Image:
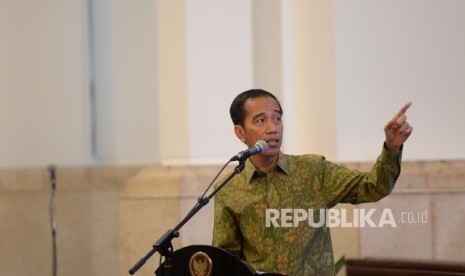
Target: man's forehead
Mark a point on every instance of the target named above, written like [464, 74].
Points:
[255, 109]
[262, 99]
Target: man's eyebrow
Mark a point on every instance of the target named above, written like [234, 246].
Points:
[258, 115]
[263, 113]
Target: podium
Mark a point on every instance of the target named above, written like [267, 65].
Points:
[203, 260]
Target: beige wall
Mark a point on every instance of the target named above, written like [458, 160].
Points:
[86, 216]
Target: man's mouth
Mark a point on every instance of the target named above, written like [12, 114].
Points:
[273, 142]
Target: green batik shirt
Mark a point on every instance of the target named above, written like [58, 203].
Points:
[308, 182]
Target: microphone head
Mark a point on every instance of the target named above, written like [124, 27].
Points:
[52, 170]
[51, 167]
[259, 147]
[262, 146]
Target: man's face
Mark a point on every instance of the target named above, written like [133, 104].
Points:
[262, 122]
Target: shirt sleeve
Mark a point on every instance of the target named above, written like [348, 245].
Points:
[341, 185]
[226, 232]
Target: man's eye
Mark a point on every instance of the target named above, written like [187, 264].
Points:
[277, 119]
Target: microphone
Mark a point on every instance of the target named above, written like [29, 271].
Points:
[51, 169]
[259, 147]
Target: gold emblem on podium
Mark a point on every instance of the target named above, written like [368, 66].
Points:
[200, 264]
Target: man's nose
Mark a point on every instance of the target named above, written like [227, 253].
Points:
[271, 126]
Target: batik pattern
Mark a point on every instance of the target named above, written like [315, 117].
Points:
[298, 182]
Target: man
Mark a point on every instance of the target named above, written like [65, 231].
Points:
[274, 180]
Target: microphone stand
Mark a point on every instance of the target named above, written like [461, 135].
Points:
[164, 245]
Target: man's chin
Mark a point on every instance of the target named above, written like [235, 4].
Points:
[272, 152]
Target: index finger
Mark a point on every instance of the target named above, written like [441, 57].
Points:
[404, 109]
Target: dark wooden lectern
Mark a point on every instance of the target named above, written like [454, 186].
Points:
[203, 260]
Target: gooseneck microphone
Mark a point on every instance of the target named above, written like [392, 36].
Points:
[259, 147]
[52, 172]
[53, 224]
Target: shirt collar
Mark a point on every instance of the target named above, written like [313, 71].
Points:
[282, 164]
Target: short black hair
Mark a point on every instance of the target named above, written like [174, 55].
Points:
[237, 111]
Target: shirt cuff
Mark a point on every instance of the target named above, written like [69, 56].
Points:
[389, 156]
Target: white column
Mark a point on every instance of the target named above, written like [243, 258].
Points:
[308, 85]
[44, 86]
[125, 74]
[219, 66]
[267, 46]
[173, 131]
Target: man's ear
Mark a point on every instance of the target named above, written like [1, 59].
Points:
[240, 133]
